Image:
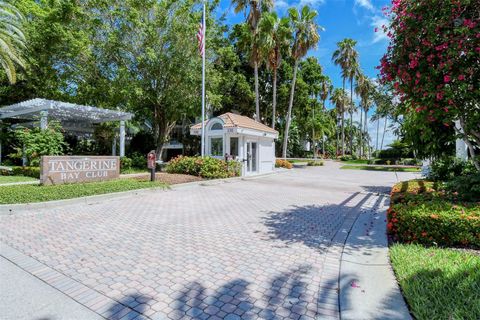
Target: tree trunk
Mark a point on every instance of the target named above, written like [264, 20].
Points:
[383, 135]
[274, 103]
[289, 112]
[161, 130]
[469, 144]
[257, 101]
[351, 116]
[366, 133]
[343, 121]
[314, 145]
[361, 134]
[378, 128]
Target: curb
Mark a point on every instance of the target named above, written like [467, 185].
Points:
[8, 209]
[369, 289]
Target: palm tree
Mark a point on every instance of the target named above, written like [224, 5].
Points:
[12, 40]
[346, 57]
[274, 39]
[339, 99]
[305, 38]
[364, 89]
[326, 89]
[255, 8]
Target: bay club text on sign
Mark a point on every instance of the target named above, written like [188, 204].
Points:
[74, 169]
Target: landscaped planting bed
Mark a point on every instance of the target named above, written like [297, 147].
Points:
[426, 221]
[421, 212]
[380, 168]
[438, 283]
[37, 193]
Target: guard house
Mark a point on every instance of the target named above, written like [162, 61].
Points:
[242, 139]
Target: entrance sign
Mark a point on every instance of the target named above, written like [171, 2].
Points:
[75, 169]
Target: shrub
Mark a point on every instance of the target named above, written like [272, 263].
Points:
[209, 168]
[139, 160]
[447, 168]
[315, 163]
[423, 212]
[125, 163]
[33, 172]
[348, 158]
[36, 142]
[281, 163]
[410, 162]
[435, 222]
[466, 188]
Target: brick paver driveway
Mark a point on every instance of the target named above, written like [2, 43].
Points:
[267, 247]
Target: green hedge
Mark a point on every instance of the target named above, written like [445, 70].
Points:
[33, 172]
[315, 163]
[208, 168]
[421, 212]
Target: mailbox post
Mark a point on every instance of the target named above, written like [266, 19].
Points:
[152, 163]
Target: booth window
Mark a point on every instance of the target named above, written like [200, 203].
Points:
[217, 126]
[234, 146]
[216, 147]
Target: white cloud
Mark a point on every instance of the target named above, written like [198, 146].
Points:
[367, 4]
[377, 22]
[281, 5]
[311, 3]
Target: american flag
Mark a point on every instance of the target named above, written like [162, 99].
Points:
[201, 39]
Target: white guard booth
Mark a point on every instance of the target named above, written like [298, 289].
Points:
[242, 139]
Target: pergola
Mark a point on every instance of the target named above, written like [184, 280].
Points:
[74, 117]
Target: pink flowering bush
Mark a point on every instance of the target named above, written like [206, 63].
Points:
[433, 62]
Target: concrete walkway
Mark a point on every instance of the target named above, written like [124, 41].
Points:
[270, 248]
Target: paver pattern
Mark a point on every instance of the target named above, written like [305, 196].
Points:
[265, 248]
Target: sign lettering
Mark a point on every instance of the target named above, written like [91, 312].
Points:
[75, 169]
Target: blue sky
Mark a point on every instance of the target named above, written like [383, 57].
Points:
[341, 19]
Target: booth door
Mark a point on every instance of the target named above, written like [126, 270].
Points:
[252, 157]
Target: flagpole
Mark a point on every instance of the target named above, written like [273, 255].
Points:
[203, 78]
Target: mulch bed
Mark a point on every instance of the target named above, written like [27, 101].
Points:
[170, 178]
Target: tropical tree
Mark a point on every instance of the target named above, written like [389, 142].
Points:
[339, 99]
[255, 8]
[305, 38]
[346, 57]
[12, 40]
[274, 39]
[364, 89]
[326, 89]
[436, 76]
[352, 73]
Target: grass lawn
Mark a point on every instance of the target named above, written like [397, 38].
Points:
[358, 161]
[11, 179]
[134, 170]
[438, 283]
[381, 168]
[37, 193]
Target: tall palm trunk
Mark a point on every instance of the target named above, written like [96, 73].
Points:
[274, 103]
[257, 102]
[313, 136]
[366, 133]
[361, 134]
[343, 122]
[378, 128]
[383, 135]
[351, 115]
[289, 113]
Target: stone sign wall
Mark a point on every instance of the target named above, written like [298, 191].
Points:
[75, 169]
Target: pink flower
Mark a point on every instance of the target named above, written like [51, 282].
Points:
[447, 78]
[461, 77]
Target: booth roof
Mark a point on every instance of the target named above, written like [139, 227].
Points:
[31, 110]
[232, 120]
